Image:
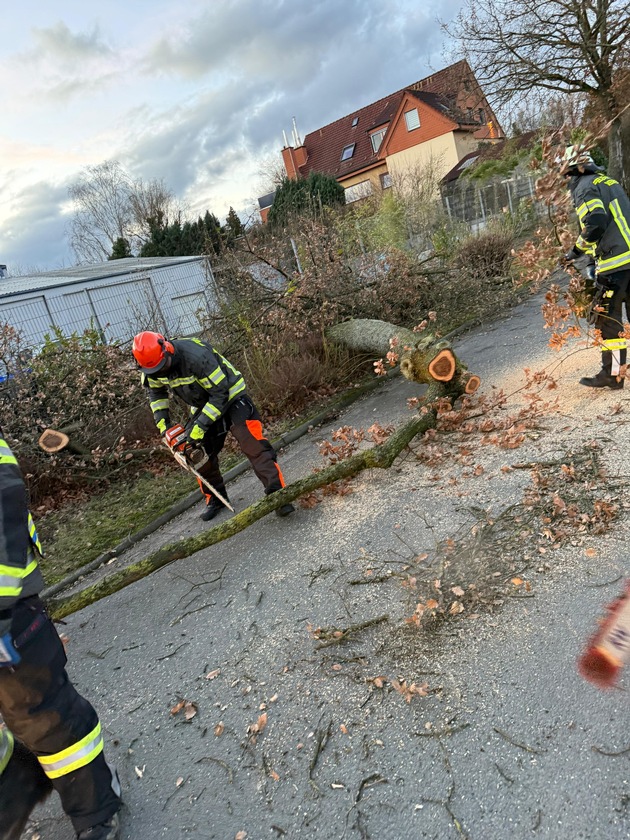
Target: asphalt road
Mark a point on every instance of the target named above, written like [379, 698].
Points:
[509, 742]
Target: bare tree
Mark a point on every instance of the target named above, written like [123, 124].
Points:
[153, 202]
[110, 205]
[570, 46]
[103, 211]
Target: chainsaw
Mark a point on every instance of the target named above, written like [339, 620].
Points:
[191, 458]
[609, 648]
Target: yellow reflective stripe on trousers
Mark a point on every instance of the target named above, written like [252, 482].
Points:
[70, 759]
[6, 748]
[32, 532]
[11, 579]
[614, 344]
[6, 456]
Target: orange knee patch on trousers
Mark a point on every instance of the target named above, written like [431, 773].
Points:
[255, 429]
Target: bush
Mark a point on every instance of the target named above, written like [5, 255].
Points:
[487, 255]
[74, 381]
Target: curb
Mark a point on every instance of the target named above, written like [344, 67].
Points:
[193, 498]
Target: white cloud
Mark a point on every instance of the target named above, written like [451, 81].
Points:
[194, 100]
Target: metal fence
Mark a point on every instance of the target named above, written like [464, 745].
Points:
[466, 200]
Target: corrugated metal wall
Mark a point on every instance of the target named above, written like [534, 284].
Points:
[171, 299]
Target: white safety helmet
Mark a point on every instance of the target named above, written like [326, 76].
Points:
[576, 157]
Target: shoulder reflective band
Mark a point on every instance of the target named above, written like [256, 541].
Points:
[6, 456]
[6, 748]
[74, 757]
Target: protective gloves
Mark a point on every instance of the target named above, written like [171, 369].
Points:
[574, 254]
[8, 654]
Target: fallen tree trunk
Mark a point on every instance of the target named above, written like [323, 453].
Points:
[381, 456]
[423, 357]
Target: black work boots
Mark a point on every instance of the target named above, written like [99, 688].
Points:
[109, 830]
[603, 380]
[214, 508]
[22, 785]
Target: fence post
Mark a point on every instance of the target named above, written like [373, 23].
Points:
[483, 212]
[295, 254]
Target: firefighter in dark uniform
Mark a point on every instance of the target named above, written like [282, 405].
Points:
[603, 211]
[213, 388]
[51, 736]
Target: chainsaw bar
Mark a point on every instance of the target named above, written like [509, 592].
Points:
[181, 459]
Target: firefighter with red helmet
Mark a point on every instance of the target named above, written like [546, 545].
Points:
[51, 736]
[215, 391]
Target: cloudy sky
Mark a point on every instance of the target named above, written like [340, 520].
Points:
[196, 94]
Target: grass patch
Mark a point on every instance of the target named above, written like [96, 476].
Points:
[75, 535]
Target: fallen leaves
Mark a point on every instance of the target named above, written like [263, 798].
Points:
[401, 686]
[409, 691]
[254, 729]
[190, 709]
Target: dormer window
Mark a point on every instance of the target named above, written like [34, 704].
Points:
[355, 122]
[348, 151]
[377, 139]
[412, 118]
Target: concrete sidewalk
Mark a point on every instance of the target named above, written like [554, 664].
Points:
[509, 741]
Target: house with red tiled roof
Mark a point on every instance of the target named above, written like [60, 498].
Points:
[437, 120]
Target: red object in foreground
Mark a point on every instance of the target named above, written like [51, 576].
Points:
[609, 648]
[176, 437]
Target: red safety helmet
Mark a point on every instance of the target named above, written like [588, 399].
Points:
[150, 349]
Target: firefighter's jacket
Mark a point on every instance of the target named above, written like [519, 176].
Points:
[20, 575]
[603, 211]
[201, 377]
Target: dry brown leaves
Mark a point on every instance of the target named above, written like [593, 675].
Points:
[254, 729]
[406, 690]
[190, 709]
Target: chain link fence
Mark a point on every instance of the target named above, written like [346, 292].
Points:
[474, 203]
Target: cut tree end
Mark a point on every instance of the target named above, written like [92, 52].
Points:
[472, 383]
[442, 367]
[53, 441]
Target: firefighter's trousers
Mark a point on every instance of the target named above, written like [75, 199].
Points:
[42, 709]
[244, 422]
[610, 321]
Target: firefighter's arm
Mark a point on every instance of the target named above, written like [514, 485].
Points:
[14, 546]
[593, 219]
[158, 402]
[214, 381]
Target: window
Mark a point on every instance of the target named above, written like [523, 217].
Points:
[482, 115]
[348, 151]
[355, 122]
[377, 139]
[412, 119]
[386, 180]
[357, 191]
